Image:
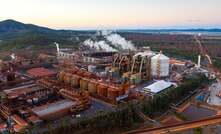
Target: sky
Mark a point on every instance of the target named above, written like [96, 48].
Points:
[114, 14]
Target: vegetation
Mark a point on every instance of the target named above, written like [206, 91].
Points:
[217, 63]
[198, 130]
[15, 35]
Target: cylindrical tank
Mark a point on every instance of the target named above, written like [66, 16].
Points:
[67, 78]
[112, 93]
[61, 76]
[92, 87]
[160, 65]
[102, 89]
[75, 81]
[84, 84]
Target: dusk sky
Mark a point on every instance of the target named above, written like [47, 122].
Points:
[114, 14]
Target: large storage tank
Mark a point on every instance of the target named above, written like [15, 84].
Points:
[160, 66]
[112, 93]
[61, 76]
[75, 81]
[84, 84]
[102, 90]
[67, 78]
[92, 87]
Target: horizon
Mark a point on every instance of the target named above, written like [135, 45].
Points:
[154, 29]
[114, 14]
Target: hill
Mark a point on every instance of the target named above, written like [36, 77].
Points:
[11, 28]
[16, 35]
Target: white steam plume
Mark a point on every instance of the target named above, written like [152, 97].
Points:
[119, 41]
[116, 40]
[99, 45]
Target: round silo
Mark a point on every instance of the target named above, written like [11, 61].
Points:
[75, 81]
[92, 87]
[84, 84]
[159, 66]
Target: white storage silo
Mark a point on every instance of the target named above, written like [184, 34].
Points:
[159, 66]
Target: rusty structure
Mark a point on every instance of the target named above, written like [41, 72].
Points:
[47, 99]
[82, 80]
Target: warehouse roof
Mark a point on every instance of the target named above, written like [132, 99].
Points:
[40, 72]
[16, 92]
[53, 107]
[158, 86]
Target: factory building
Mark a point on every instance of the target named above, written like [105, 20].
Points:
[158, 87]
[65, 55]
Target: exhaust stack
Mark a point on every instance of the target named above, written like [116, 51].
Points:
[199, 61]
[57, 46]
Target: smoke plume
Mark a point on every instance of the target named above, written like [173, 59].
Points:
[111, 42]
[120, 42]
[99, 45]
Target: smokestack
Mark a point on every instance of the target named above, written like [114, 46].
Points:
[57, 46]
[199, 60]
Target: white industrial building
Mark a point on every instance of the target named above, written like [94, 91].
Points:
[160, 66]
[158, 86]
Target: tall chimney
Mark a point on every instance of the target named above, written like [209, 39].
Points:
[57, 46]
[199, 61]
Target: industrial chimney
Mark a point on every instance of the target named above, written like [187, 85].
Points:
[199, 60]
[57, 46]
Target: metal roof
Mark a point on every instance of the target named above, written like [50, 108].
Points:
[40, 72]
[53, 107]
[158, 86]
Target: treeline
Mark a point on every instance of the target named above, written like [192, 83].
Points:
[217, 63]
[161, 102]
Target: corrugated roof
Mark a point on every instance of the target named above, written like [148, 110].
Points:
[40, 72]
[158, 86]
[53, 107]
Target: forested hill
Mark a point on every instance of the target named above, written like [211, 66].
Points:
[15, 35]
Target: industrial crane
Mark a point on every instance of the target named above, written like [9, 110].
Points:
[202, 50]
[204, 53]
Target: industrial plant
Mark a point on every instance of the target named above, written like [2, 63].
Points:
[69, 82]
